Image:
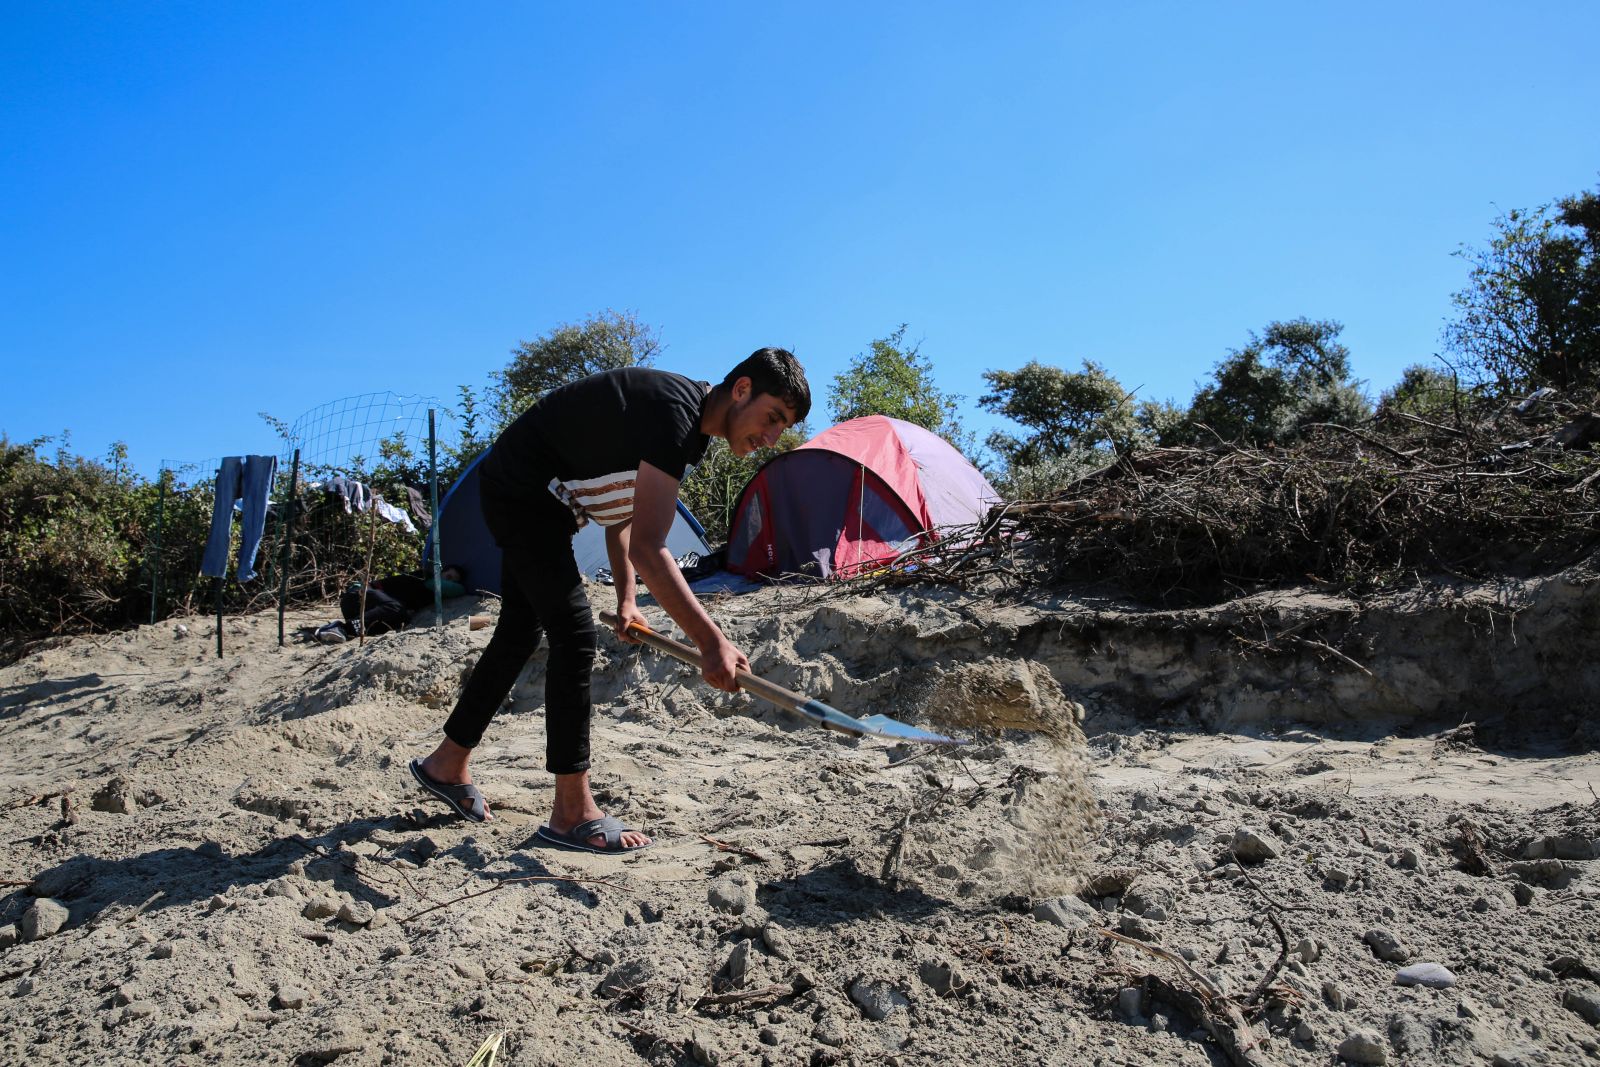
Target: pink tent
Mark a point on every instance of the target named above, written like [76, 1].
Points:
[854, 498]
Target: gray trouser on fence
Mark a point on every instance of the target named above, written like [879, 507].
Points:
[241, 477]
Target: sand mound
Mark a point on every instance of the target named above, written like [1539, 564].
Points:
[224, 860]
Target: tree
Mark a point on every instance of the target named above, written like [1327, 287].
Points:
[604, 341]
[1530, 314]
[893, 379]
[1086, 409]
[1289, 376]
[1424, 391]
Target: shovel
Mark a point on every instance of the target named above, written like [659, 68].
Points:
[815, 710]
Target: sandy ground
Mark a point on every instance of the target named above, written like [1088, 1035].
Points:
[225, 861]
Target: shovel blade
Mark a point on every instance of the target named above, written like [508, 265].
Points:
[875, 725]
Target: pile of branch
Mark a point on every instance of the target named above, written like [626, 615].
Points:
[1352, 509]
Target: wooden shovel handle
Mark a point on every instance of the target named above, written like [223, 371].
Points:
[777, 694]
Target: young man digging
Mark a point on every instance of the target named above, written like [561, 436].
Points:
[612, 449]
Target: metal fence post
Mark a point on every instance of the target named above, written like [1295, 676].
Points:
[155, 563]
[433, 504]
[288, 540]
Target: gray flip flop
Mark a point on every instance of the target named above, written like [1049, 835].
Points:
[578, 836]
[465, 799]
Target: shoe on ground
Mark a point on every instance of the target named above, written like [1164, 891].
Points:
[332, 634]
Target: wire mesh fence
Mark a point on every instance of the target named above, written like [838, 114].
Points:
[356, 486]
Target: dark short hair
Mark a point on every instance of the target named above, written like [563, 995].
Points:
[776, 372]
[458, 568]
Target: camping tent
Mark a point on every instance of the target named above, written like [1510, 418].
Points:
[466, 540]
[854, 497]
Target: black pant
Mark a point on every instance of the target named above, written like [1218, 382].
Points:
[541, 594]
[384, 612]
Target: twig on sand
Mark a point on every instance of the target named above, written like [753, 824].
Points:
[891, 862]
[768, 994]
[1263, 893]
[724, 846]
[1277, 965]
[37, 798]
[505, 882]
[1200, 997]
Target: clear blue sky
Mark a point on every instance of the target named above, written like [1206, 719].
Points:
[213, 209]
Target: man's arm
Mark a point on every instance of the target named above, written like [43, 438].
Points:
[618, 540]
[655, 505]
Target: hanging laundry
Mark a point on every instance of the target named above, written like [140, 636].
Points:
[393, 514]
[419, 506]
[356, 495]
[246, 479]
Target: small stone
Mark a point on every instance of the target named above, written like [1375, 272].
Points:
[1523, 893]
[941, 977]
[1386, 946]
[292, 997]
[1069, 913]
[1337, 877]
[1518, 1056]
[115, 796]
[1232, 950]
[1409, 859]
[635, 974]
[283, 887]
[217, 902]
[831, 1031]
[739, 962]
[138, 1009]
[1410, 1038]
[1251, 846]
[768, 1036]
[320, 908]
[729, 895]
[1583, 1002]
[1109, 882]
[877, 999]
[1307, 950]
[1467, 1008]
[1335, 995]
[1129, 1001]
[1155, 913]
[703, 1051]
[470, 970]
[1364, 1046]
[1303, 1032]
[1158, 1024]
[45, 918]
[1135, 927]
[9, 935]
[1432, 975]
[777, 942]
[162, 951]
[357, 913]
[1144, 899]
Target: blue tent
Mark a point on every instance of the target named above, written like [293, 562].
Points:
[467, 541]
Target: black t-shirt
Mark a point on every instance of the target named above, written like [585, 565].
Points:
[584, 442]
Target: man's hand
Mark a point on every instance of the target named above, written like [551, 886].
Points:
[627, 615]
[719, 662]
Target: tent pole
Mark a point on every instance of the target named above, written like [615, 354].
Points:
[433, 504]
[216, 586]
